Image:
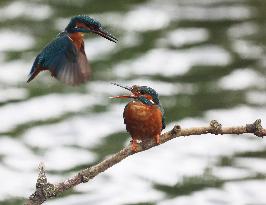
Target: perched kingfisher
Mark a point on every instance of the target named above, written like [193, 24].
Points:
[65, 56]
[144, 116]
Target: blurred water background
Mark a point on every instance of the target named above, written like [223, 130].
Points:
[206, 58]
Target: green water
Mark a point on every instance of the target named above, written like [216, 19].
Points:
[235, 31]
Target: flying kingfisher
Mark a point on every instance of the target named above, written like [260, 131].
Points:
[65, 56]
[144, 116]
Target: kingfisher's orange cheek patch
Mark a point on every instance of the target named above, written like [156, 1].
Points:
[148, 97]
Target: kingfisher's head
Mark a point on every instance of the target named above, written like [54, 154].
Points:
[144, 94]
[86, 24]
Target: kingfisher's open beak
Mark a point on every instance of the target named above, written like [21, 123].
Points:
[124, 96]
[101, 32]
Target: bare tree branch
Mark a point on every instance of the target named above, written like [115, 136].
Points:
[45, 190]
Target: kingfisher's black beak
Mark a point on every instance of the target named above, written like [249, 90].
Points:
[125, 87]
[101, 32]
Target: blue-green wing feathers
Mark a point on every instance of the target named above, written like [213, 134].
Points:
[63, 60]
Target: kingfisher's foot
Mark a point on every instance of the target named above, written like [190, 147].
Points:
[134, 145]
[157, 139]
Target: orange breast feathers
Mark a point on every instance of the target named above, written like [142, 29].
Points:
[77, 39]
[142, 121]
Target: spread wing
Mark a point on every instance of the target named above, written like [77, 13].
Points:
[65, 62]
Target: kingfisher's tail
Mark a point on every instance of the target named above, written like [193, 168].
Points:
[34, 70]
[33, 75]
